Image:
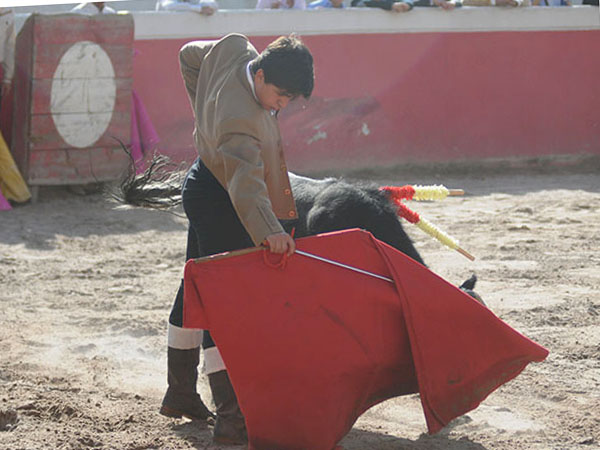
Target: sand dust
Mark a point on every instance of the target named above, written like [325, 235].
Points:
[86, 287]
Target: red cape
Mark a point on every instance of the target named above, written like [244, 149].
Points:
[310, 346]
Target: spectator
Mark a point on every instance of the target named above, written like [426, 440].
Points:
[7, 69]
[448, 5]
[492, 2]
[93, 8]
[12, 185]
[318, 4]
[204, 7]
[388, 5]
[551, 3]
[7, 48]
[281, 4]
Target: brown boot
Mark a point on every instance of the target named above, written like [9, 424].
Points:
[230, 427]
[181, 399]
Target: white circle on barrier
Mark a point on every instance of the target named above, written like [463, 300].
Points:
[83, 94]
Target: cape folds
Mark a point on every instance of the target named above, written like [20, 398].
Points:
[310, 346]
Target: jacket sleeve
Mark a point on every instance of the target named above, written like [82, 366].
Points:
[245, 181]
[190, 61]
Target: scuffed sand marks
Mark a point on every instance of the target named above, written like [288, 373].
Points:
[85, 291]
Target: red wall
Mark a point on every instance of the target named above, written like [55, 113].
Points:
[440, 96]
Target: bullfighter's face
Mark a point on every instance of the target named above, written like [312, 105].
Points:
[270, 96]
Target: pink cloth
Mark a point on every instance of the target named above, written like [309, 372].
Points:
[143, 134]
[4, 205]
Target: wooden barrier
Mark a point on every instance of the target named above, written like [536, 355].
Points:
[72, 98]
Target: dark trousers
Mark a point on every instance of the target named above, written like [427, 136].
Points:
[214, 227]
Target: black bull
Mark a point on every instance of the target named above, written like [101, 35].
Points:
[325, 205]
[332, 204]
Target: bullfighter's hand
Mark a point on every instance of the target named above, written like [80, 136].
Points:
[281, 243]
[513, 3]
[448, 6]
[400, 7]
[207, 10]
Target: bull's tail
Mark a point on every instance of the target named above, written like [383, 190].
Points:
[158, 187]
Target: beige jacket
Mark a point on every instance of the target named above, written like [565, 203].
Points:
[237, 139]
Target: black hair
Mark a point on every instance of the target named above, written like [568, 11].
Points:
[287, 64]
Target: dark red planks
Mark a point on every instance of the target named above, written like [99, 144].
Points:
[76, 166]
[46, 126]
[103, 29]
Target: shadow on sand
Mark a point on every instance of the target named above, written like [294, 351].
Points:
[60, 212]
[200, 437]
[362, 440]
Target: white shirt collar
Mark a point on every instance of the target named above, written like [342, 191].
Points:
[251, 82]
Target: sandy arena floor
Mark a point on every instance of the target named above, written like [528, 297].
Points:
[85, 290]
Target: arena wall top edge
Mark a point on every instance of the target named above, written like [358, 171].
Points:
[162, 25]
[151, 25]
